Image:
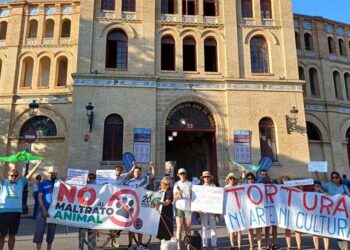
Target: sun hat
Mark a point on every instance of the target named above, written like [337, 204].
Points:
[181, 170]
[52, 169]
[230, 175]
[206, 174]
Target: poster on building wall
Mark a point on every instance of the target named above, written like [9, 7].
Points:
[142, 144]
[242, 146]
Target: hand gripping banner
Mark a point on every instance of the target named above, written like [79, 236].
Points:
[105, 207]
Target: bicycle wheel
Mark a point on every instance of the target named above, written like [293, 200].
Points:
[102, 238]
[146, 240]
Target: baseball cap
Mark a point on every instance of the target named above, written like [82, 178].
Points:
[181, 170]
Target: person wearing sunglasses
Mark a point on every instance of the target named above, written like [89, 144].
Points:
[250, 179]
[182, 196]
[231, 182]
[335, 186]
[11, 190]
[82, 231]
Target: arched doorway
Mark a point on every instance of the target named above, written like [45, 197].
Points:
[190, 138]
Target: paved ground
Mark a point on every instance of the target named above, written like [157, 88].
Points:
[69, 240]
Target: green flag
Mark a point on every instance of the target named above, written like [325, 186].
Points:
[22, 156]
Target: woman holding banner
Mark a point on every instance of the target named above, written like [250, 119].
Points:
[250, 179]
[208, 219]
[231, 182]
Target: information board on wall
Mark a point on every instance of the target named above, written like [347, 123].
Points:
[142, 144]
[242, 146]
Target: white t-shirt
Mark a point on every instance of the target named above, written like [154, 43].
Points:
[186, 188]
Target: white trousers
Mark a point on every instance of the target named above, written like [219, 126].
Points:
[208, 220]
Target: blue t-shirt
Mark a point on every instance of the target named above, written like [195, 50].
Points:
[46, 188]
[11, 195]
[333, 189]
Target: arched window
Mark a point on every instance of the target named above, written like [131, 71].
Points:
[266, 10]
[302, 77]
[33, 29]
[268, 145]
[210, 55]
[62, 64]
[66, 28]
[113, 138]
[44, 72]
[3, 30]
[342, 48]
[117, 50]
[210, 7]
[337, 85]
[168, 7]
[313, 133]
[27, 72]
[189, 54]
[49, 28]
[108, 5]
[168, 53]
[189, 7]
[247, 9]
[259, 55]
[314, 82]
[128, 5]
[297, 40]
[42, 125]
[347, 85]
[331, 47]
[308, 42]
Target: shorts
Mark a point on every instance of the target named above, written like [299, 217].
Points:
[342, 243]
[183, 213]
[41, 228]
[9, 223]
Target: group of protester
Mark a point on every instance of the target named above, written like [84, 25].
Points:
[176, 201]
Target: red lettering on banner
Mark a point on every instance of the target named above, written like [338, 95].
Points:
[251, 198]
[235, 190]
[90, 200]
[326, 206]
[290, 191]
[64, 192]
[305, 202]
[273, 193]
[341, 207]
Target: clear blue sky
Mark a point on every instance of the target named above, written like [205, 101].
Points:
[338, 10]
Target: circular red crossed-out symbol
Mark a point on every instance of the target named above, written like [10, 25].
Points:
[133, 215]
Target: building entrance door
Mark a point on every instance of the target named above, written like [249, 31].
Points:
[190, 139]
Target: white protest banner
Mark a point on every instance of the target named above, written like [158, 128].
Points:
[207, 199]
[104, 176]
[77, 176]
[259, 205]
[105, 207]
[320, 166]
[296, 183]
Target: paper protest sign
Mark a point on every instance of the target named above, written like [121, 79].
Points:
[296, 183]
[320, 166]
[77, 176]
[104, 176]
[207, 199]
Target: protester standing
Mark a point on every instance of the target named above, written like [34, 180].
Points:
[11, 190]
[45, 198]
[35, 195]
[231, 182]
[250, 179]
[91, 242]
[346, 181]
[182, 196]
[165, 229]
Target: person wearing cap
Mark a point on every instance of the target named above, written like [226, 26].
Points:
[208, 219]
[11, 190]
[182, 196]
[231, 182]
[91, 242]
[45, 198]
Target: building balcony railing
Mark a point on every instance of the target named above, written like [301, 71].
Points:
[332, 57]
[168, 18]
[129, 15]
[269, 23]
[211, 20]
[48, 41]
[249, 22]
[299, 52]
[189, 19]
[343, 59]
[30, 41]
[107, 14]
[65, 41]
[2, 43]
[310, 53]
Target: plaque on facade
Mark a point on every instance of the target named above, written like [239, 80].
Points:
[242, 146]
[142, 144]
